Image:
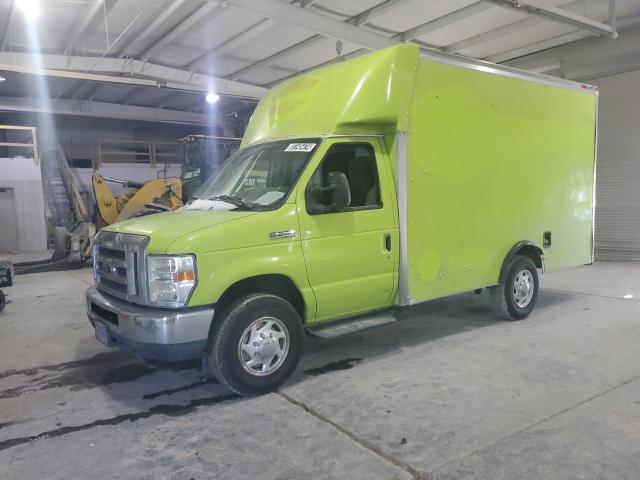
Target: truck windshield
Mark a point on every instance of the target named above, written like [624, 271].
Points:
[258, 177]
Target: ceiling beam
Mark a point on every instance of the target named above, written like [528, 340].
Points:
[267, 24]
[430, 26]
[166, 96]
[445, 20]
[7, 26]
[322, 24]
[580, 53]
[212, 8]
[119, 70]
[93, 91]
[347, 56]
[276, 56]
[496, 33]
[559, 15]
[376, 11]
[130, 95]
[85, 20]
[72, 87]
[85, 108]
[346, 26]
[167, 13]
[241, 38]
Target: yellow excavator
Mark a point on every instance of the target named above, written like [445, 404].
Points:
[200, 156]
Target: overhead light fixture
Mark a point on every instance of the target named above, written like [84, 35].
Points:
[212, 98]
[30, 8]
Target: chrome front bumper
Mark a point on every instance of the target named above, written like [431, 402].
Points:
[151, 332]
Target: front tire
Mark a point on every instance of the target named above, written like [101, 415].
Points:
[516, 297]
[3, 301]
[256, 345]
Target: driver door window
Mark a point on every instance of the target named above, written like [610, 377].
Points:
[346, 180]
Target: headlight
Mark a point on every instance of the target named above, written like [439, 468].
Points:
[171, 279]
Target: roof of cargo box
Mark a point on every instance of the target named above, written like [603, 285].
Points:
[368, 94]
[365, 94]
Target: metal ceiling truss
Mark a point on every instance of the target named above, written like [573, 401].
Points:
[206, 12]
[119, 70]
[562, 15]
[6, 26]
[92, 11]
[350, 30]
[139, 71]
[172, 8]
[85, 108]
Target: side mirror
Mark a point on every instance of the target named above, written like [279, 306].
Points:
[340, 190]
[334, 197]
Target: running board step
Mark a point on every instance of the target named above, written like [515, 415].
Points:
[351, 325]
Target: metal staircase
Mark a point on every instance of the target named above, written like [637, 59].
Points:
[55, 191]
[70, 226]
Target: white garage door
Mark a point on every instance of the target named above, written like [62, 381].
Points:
[617, 225]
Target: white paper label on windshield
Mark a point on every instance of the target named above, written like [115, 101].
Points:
[300, 147]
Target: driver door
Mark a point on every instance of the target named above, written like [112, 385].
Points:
[350, 250]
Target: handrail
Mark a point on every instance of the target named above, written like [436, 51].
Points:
[71, 184]
[33, 145]
[148, 150]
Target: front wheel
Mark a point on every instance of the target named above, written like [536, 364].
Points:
[515, 298]
[256, 345]
[3, 301]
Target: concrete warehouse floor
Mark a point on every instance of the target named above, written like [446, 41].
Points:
[447, 392]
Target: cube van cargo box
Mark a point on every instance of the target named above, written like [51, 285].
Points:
[366, 186]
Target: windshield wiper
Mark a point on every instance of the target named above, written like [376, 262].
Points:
[237, 201]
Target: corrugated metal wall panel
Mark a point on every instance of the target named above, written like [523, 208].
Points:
[617, 223]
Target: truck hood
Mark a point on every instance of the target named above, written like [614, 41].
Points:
[164, 228]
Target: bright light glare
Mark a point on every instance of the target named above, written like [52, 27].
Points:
[212, 97]
[628, 296]
[30, 8]
[2, 79]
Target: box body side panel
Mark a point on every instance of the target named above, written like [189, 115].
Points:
[492, 161]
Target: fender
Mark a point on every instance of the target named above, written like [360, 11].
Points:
[529, 249]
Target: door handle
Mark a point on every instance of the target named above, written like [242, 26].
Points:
[387, 242]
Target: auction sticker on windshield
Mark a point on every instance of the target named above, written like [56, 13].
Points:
[300, 147]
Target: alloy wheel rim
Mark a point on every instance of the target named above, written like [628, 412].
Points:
[263, 346]
[523, 288]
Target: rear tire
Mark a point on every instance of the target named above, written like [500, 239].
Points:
[516, 297]
[256, 345]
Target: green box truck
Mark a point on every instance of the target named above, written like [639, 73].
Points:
[360, 188]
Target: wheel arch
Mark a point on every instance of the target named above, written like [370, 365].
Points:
[526, 248]
[275, 284]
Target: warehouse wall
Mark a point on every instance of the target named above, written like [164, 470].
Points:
[22, 175]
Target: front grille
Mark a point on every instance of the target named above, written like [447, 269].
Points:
[119, 265]
[104, 314]
[111, 253]
[114, 285]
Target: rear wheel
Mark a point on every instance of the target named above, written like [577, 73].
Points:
[256, 345]
[516, 297]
